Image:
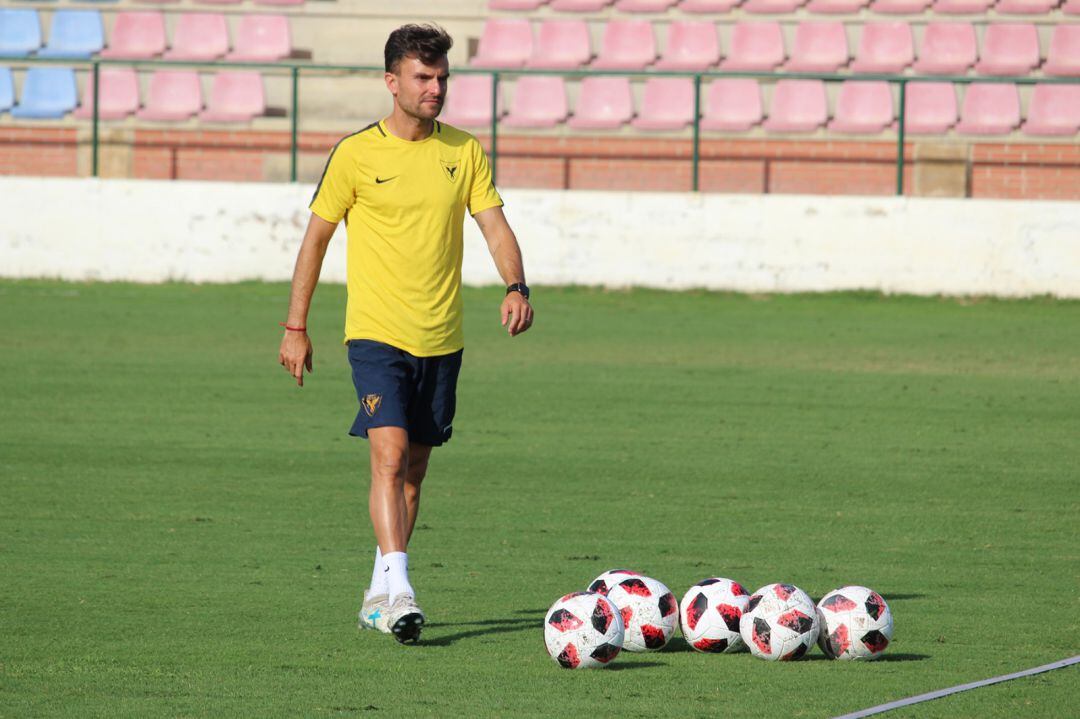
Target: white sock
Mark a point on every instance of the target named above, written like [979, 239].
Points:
[398, 563]
[380, 583]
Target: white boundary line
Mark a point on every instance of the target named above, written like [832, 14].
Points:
[959, 688]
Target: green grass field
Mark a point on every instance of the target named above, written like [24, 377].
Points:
[183, 531]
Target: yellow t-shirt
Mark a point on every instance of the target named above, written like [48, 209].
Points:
[404, 204]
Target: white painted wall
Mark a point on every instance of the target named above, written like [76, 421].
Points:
[151, 231]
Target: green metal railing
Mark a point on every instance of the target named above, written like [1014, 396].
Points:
[295, 70]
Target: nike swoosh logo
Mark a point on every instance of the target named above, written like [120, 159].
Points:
[380, 180]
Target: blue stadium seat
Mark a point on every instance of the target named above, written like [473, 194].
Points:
[48, 93]
[20, 32]
[75, 34]
[7, 90]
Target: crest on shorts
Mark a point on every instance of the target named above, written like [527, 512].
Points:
[451, 170]
[371, 403]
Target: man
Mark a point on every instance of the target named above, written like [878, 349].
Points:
[402, 186]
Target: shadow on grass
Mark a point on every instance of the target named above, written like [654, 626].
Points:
[618, 665]
[484, 628]
[899, 657]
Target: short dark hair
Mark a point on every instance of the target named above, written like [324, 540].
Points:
[428, 43]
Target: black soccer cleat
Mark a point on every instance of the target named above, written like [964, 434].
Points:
[406, 619]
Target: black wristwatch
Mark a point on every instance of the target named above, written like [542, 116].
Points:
[519, 287]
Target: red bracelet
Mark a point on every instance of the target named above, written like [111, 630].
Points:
[292, 329]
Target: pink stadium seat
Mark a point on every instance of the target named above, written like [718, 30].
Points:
[539, 101]
[1064, 55]
[468, 102]
[899, 7]
[173, 95]
[604, 103]
[797, 106]
[755, 47]
[929, 108]
[836, 7]
[989, 109]
[236, 96]
[884, 47]
[709, 6]
[819, 47]
[136, 36]
[962, 7]
[863, 107]
[627, 45]
[690, 46]
[279, 2]
[772, 7]
[118, 97]
[561, 45]
[1009, 49]
[1054, 110]
[947, 49]
[1025, 7]
[199, 36]
[504, 44]
[515, 5]
[261, 38]
[666, 104]
[219, 2]
[1071, 7]
[732, 105]
[579, 5]
[643, 5]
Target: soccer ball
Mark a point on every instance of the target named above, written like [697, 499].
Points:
[609, 579]
[780, 623]
[649, 612]
[583, 630]
[855, 624]
[710, 612]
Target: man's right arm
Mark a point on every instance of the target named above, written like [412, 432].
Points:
[295, 353]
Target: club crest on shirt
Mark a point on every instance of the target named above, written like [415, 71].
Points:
[451, 169]
[371, 403]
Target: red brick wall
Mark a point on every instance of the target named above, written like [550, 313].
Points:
[812, 166]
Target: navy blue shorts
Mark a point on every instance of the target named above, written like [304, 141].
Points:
[397, 389]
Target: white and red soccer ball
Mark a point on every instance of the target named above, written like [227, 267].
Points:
[780, 623]
[710, 612]
[649, 611]
[855, 623]
[609, 579]
[583, 630]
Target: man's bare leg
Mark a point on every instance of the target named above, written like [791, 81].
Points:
[419, 454]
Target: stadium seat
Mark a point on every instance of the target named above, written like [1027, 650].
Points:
[643, 6]
[884, 47]
[709, 6]
[173, 95]
[561, 45]
[468, 102]
[604, 103]
[515, 4]
[219, 2]
[899, 7]
[118, 97]
[836, 7]
[1054, 110]
[235, 96]
[1071, 7]
[627, 45]
[1009, 49]
[20, 32]
[1064, 55]
[947, 49]
[755, 47]
[539, 101]
[667, 103]
[732, 105]
[504, 44]
[261, 38]
[48, 93]
[1025, 7]
[279, 2]
[797, 106]
[929, 108]
[863, 107]
[579, 5]
[962, 7]
[819, 47]
[989, 109]
[199, 36]
[7, 90]
[690, 46]
[75, 34]
[771, 7]
[136, 36]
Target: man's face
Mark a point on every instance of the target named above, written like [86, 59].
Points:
[419, 89]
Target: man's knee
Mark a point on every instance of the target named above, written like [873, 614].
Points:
[388, 465]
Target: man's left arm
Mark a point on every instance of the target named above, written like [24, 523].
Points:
[516, 313]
